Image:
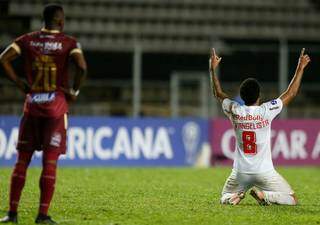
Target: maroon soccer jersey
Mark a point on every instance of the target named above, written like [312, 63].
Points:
[45, 56]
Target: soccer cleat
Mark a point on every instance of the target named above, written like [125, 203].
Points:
[259, 196]
[12, 217]
[44, 219]
[236, 198]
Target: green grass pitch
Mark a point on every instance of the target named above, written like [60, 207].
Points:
[168, 196]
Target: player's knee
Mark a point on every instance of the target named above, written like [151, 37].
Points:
[49, 163]
[21, 167]
[49, 167]
[22, 163]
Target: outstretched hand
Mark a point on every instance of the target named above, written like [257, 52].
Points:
[304, 59]
[214, 60]
[295, 83]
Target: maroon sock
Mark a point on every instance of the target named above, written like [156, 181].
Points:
[17, 184]
[47, 181]
[18, 179]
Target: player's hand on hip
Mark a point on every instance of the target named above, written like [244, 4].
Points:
[304, 59]
[70, 94]
[214, 60]
[23, 86]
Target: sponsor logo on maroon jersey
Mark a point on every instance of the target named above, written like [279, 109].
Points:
[48, 46]
[55, 139]
[41, 97]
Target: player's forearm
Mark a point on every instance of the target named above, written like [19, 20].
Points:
[9, 72]
[79, 78]
[6, 57]
[216, 86]
[293, 87]
[11, 75]
[81, 70]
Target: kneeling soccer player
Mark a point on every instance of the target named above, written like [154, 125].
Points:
[253, 168]
[46, 55]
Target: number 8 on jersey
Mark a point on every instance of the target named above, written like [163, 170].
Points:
[249, 142]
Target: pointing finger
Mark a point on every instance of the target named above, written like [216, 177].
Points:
[302, 52]
[213, 52]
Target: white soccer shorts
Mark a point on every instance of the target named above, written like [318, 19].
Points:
[268, 181]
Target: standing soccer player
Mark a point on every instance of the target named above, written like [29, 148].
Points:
[46, 55]
[253, 167]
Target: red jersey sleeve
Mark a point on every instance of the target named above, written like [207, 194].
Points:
[75, 47]
[19, 44]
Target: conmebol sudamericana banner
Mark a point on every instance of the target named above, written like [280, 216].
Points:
[106, 141]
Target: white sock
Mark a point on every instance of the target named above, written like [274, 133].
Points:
[279, 198]
[225, 198]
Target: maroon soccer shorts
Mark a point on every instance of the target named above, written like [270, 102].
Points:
[42, 133]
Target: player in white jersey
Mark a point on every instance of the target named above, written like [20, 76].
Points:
[253, 168]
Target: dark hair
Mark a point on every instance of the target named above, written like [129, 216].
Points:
[50, 11]
[250, 91]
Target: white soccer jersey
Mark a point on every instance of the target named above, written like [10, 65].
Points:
[252, 125]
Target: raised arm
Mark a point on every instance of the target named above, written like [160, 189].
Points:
[6, 57]
[294, 85]
[215, 83]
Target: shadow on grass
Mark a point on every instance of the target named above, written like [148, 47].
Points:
[311, 209]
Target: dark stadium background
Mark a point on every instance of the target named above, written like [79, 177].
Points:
[162, 30]
[147, 107]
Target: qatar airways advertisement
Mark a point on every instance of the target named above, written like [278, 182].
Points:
[293, 142]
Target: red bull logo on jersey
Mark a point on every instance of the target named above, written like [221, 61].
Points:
[247, 117]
